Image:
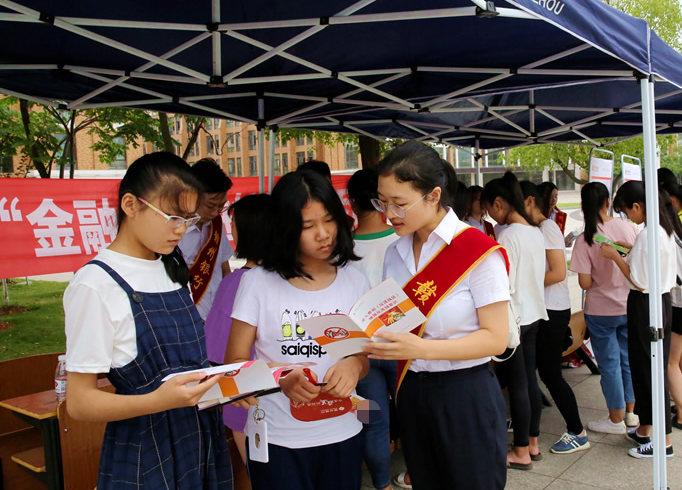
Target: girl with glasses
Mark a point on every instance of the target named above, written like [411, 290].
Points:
[129, 313]
[450, 409]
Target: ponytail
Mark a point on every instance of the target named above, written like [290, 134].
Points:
[593, 197]
[633, 192]
[508, 189]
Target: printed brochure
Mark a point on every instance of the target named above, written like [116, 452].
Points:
[385, 307]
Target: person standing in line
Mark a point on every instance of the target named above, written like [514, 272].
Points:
[129, 313]
[205, 246]
[475, 214]
[371, 239]
[304, 273]
[631, 200]
[551, 332]
[675, 362]
[526, 248]
[450, 408]
[605, 307]
[250, 220]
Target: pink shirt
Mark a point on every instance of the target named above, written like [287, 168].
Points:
[609, 292]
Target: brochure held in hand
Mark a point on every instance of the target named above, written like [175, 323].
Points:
[241, 380]
[385, 307]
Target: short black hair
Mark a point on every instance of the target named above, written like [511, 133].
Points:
[362, 186]
[318, 166]
[211, 176]
[289, 196]
[250, 215]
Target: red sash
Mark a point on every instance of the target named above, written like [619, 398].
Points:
[489, 229]
[560, 219]
[201, 270]
[446, 269]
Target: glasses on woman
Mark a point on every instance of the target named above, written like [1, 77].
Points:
[173, 221]
[398, 211]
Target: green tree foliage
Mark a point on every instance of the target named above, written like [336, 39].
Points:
[663, 16]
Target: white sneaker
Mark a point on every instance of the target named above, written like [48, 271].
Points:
[607, 427]
[631, 420]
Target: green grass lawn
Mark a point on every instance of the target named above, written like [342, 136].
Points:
[38, 330]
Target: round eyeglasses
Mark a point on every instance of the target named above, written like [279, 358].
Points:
[398, 211]
[173, 221]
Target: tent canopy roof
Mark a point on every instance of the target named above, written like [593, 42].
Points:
[313, 63]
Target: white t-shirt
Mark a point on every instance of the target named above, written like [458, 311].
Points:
[456, 315]
[639, 267]
[526, 249]
[371, 248]
[100, 329]
[556, 295]
[476, 224]
[190, 246]
[272, 305]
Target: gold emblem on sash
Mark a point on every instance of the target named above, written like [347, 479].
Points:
[425, 290]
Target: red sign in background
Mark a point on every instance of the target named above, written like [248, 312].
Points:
[57, 225]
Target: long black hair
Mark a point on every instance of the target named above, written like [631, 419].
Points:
[473, 194]
[508, 189]
[168, 177]
[545, 190]
[423, 168]
[250, 215]
[593, 198]
[289, 196]
[634, 192]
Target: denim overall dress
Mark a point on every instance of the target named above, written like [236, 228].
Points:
[179, 449]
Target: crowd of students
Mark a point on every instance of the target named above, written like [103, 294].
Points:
[161, 299]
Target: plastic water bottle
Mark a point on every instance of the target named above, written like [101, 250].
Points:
[60, 379]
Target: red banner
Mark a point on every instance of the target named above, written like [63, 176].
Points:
[57, 225]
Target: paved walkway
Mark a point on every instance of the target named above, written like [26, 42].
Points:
[606, 465]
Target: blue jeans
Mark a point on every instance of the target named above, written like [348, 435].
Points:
[377, 385]
[609, 338]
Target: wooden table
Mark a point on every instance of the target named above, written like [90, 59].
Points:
[40, 410]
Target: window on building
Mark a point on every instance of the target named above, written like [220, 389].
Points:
[194, 151]
[175, 124]
[209, 123]
[311, 155]
[120, 159]
[253, 166]
[7, 165]
[229, 123]
[300, 141]
[216, 143]
[238, 141]
[210, 149]
[230, 167]
[300, 158]
[239, 166]
[277, 165]
[252, 140]
[278, 142]
[230, 141]
[351, 155]
[285, 163]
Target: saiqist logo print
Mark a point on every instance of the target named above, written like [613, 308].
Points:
[295, 341]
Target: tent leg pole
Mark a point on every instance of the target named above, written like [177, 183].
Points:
[479, 176]
[655, 290]
[261, 145]
[271, 162]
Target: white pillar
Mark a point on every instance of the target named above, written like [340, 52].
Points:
[261, 145]
[271, 166]
[654, 265]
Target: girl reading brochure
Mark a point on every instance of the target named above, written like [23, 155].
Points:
[450, 408]
[312, 439]
[129, 313]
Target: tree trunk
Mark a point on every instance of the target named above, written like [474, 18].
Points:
[193, 135]
[165, 133]
[369, 151]
[571, 175]
[32, 150]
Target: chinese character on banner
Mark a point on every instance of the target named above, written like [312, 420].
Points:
[95, 223]
[54, 238]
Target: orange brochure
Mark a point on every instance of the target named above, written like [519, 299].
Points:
[385, 307]
[241, 380]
